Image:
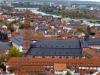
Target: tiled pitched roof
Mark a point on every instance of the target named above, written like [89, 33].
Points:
[2, 17]
[94, 41]
[56, 48]
[18, 40]
[4, 46]
[59, 67]
[50, 61]
[97, 35]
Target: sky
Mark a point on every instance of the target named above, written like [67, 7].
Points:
[89, 0]
[73, 0]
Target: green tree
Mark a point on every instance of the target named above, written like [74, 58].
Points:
[68, 73]
[74, 13]
[2, 66]
[63, 13]
[80, 30]
[2, 56]
[13, 52]
[81, 14]
[38, 34]
[21, 26]
[88, 29]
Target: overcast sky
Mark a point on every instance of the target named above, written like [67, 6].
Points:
[71, 0]
[89, 0]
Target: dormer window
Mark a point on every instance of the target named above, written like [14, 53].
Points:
[56, 46]
[34, 41]
[63, 46]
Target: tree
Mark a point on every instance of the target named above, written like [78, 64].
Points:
[38, 34]
[88, 30]
[14, 52]
[21, 26]
[74, 13]
[81, 14]
[2, 66]
[80, 30]
[2, 56]
[63, 13]
[68, 73]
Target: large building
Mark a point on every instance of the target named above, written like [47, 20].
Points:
[58, 48]
[94, 43]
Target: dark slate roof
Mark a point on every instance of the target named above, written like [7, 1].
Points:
[3, 36]
[55, 48]
[18, 40]
[94, 41]
[58, 43]
[84, 44]
[4, 46]
[54, 52]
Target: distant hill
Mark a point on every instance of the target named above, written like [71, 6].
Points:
[85, 2]
[59, 1]
[55, 1]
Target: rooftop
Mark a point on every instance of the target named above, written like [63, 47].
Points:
[59, 67]
[55, 48]
[3, 46]
[94, 41]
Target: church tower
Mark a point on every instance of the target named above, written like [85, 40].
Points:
[27, 31]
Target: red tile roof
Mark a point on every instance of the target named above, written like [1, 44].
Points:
[59, 67]
[97, 35]
[2, 17]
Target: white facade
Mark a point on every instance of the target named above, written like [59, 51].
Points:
[95, 46]
[20, 48]
[60, 72]
[91, 68]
